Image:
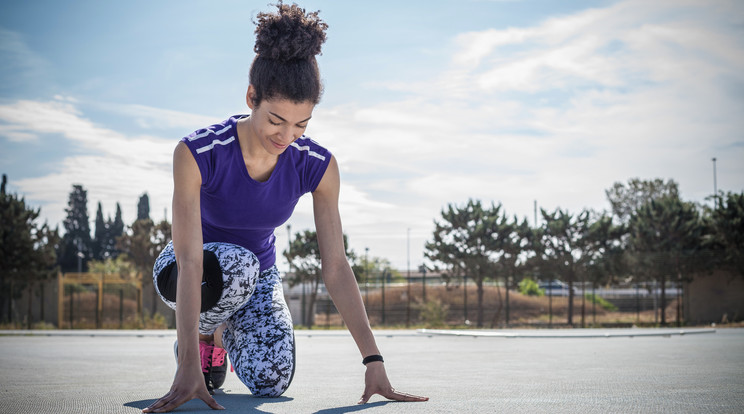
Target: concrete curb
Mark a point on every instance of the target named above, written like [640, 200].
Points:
[539, 333]
[573, 333]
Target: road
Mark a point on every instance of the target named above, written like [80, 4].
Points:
[124, 371]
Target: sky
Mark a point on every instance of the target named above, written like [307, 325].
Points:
[426, 103]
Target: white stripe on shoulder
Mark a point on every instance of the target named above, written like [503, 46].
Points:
[208, 132]
[215, 142]
[309, 152]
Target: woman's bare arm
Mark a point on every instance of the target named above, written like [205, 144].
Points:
[188, 244]
[341, 284]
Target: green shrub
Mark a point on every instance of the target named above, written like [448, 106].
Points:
[530, 288]
[156, 321]
[433, 313]
[43, 326]
[601, 302]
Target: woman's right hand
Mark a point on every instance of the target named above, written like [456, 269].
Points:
[188, 384]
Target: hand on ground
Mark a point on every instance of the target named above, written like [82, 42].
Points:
[376, 382]
[188, 384]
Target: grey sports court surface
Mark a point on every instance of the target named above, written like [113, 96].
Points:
[508, 371]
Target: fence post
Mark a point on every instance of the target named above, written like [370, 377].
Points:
[139, 299]
[99, 308]
[550, 304]
[60, 300]
[506, 283]
[42, 303]
[121, 308]
[383, 296]
[72, 304]
[465, 297]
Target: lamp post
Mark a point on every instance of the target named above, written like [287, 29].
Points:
[366, 278]
[715, 186]
[80, 256]
[408, 272]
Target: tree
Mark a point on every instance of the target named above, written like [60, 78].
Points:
[106, 233]
[510, 241]
[100, 235]
[76, 246]
[461, 243]
[44, 265]
[563, 248]
[373, 266]
[727, 222]
[625, 200]
[143, 207]
[305, 267]
[665, 237]
[115, 230]
[27, 249]
[603, 242]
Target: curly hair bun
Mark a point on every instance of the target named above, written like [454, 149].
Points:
[289, 34]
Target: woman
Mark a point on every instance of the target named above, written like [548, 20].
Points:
[234, 184]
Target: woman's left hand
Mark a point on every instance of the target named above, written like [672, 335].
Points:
[376, 382]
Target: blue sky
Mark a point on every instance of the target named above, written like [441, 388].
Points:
[426, 102]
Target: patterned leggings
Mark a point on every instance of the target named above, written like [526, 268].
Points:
[259, 337]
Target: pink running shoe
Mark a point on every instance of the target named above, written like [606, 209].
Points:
[213, 364]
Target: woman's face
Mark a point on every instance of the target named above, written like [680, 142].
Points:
[277, 123]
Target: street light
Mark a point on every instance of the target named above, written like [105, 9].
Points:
[408, 271]
[715, 186]
[80, 256]
[366, 277]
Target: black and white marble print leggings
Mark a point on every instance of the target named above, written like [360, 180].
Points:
[259, 337]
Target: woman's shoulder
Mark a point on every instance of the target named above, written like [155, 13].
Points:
[205, 139]
[306, 147]
[310, 160]
[213, 146]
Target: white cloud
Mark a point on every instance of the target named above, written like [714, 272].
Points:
[555, 112]
[608, 47]
[111, 166]
[151, 118]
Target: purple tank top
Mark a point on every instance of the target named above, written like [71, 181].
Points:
[238, 209]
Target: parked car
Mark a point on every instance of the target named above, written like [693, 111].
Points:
[555, 288]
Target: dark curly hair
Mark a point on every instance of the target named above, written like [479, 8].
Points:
[286, 44]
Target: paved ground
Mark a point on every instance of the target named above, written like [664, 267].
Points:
[124, 371]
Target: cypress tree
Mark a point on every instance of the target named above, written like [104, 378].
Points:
[143, 207]
[77, 232]
[100, 240]
[116, 230]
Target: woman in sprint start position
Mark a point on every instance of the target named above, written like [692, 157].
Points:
[234, 184]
